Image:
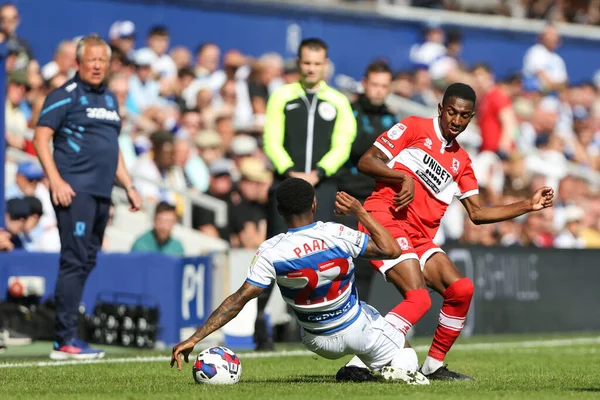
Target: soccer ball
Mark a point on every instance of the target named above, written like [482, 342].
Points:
[217, 366]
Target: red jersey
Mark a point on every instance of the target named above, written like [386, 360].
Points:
[441, 171]
[489, 118]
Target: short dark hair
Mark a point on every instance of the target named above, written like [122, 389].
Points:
[35, 205]
[163, 206]
[377, 67]
[186, 71]
[160, 138]
[158, 30]
[453, 36]
[313, 44]
[460, 91]
[295, 196]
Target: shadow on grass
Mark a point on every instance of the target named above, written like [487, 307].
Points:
[309, 379]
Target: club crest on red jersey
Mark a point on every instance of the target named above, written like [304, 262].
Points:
[403, 242]
[455, 165]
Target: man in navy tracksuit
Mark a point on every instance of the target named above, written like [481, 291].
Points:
[82, 119]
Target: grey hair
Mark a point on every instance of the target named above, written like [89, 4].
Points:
[91, 40]
[62, 45]
[270, 57]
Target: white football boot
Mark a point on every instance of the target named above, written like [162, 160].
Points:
[397, 374]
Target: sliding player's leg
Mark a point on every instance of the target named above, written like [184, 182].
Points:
[384, 348]
[443, 276]
[406, 275]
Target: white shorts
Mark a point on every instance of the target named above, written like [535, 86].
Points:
[374, 340]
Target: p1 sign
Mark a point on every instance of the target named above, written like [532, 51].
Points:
[194, 297]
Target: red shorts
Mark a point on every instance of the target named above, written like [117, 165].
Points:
[413, 243]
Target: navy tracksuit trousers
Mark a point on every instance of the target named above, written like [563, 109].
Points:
[81, 227]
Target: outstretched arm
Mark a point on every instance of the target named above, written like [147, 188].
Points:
[227, 311]
[542, 198]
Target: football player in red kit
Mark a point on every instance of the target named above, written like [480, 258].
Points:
[419, 168]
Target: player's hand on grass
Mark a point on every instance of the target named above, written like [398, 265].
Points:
[62, 193]
[542, 198]
[135, 201]
[406, 194]
[346, 204]
[183, 348]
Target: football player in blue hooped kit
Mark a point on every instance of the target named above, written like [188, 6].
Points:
[312, 263]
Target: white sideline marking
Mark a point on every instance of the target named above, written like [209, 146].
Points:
[292, 353]
[284, 353]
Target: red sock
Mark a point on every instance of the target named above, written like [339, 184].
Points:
[406, 314]
[457, 299]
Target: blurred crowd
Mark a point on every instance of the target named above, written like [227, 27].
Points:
[573, 11]
[193, 120]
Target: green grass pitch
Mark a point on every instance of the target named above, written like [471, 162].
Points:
[505, 367]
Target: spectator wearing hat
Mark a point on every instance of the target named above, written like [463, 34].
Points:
[29, 181]
[64, 61]
[17, 212]
[221, 187]
[570, 236]
[122, 36]
[160, 239]
[209, 146]
[16, 122]
[242, 147]
[144, 90]
[249, 216]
